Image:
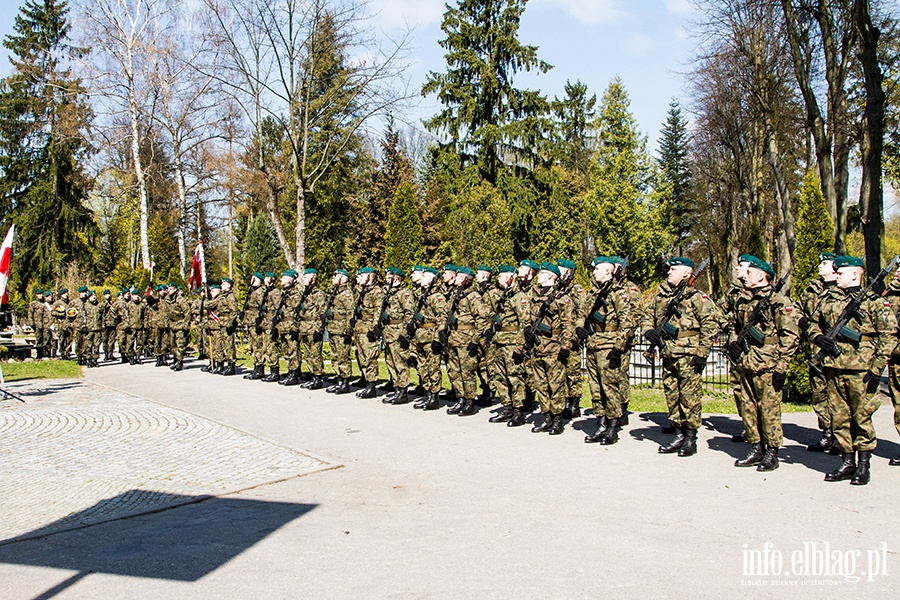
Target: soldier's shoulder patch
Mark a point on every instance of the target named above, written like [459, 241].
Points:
[788, 308]
[704, 296]
[886, 303]
[565, 300]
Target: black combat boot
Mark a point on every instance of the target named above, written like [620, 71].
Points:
[504, 415]
[623, 421]
[602, 426]
[421, 402]
[861, 476]
[158, 361]
[557, 425]
[217, 368]
[824, 443]
[369, 392]
[689, 448]
[124, 359]
[468, 407]
[178, 365]
[361, 382]
[846, 470]
[612, 433]
[739, 438]
[317, 383]
[485, 399]
[165, 360]
[447, 395]
[545, 426]
[669, 428]
[228, 369]
[401, 397]
[753, 457]
[769, 461]
[419, 391]
[676, 444]
[254, 374]
[293, 378]
[455, 408]
[206, 368]
[431, 402]
[334, 386]
[344, 387]
[574, 407]
[388, 386]
[517, 419]
[273, 375]
[136, 360]
[894, 462]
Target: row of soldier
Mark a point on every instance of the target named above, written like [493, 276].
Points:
[521, 331]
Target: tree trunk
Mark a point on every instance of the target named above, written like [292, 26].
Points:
[272, 208]
[787, 240]
[144, 208]
[871, 193]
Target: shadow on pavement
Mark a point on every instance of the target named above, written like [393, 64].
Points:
[183, 543]
[52, 388]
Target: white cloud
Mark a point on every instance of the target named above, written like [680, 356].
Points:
[590, 12]
[391, 14]
[679, 6]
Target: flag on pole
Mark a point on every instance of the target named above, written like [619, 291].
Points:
[197, 278]
[5, 256]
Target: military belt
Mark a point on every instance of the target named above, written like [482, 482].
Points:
[688, 333]
[462, 327]
[428, 325]
[395, 322]
[508, 328]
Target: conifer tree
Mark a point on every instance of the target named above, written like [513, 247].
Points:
[676, 175]
[403, 238]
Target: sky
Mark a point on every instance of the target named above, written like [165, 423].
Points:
[644, 42]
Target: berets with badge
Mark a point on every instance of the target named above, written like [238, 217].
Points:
[270, 274]
[83, 289]
[564, 263]
[602, 259]
[485, 268]
[549, 266]
[431, 270]
[365, 270]
[760, 264]
[343, 272]
[289, 273]
[228, 280]
[465, 271]
[395, 271]
[827, 256]
[842, 261]
[506, 269]
[680, 261]
[310, 271]
[530, 264]
[256, 274]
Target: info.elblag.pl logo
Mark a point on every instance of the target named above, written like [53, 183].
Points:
[812, 563]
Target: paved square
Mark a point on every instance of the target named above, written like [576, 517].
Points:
[77, 453]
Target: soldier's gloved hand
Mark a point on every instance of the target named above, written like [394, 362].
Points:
[473, 349]
[410, 329]
[872, 382]
[735, 350]
[518, 358]
[413, 361]
[654, 338]
[615, 358]
[803, 323]
[437, 347]
[317, 337]
[825, 343]
[563, 354]
[778, 380]
[582, 333]
[444, 337]
[84, 330]
[372, 336]
[404, 342]
[348, 339]
[698, 363]
[529, 335]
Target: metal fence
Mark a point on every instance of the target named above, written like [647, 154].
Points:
[643, 373]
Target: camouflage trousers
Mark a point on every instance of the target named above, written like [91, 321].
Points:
[737, 389]
[484, 373]
[367, 355]
[224, 343]
[547, 378]
[605, 384]
[573, 374]
[265, 347]
[428, 365]
[821, 405]
[396, 358]
[312, 353]
[92, 344]
[462, 370]
[160, 340]
[42, 337]
[340, 356]
[894, 388]
[507, 378]
[851, 410]
[760, 409]
[127, 342]
[683, 390]
[290, 349]
[256, 339]
[80, 348]
[179, 343]
[109, 339]
[625, 376]
[65, 340]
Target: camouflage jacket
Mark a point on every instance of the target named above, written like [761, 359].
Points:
[310, 316]
[136, 314]
[637, 302]
[696, 327]
[727, 305]
[121, 308]
[289, 302]
[93, 319]
[341, 311]
[432, 315]
[777, 332]
[398, 313]
[557, 330]
[226, 308]
[503, 318]
[892, 295]
[471, 318]
[35, 308]
[156, 313]
[874, 322]
[612, 324]
[179, 312]
[254, 303]
[270, 307]
[370, 308]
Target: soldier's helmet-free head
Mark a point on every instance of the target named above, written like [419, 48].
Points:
[548, 274]
[680, 268]
[464, 276]
[82, 292]
[270, 278]
[256, 279]
[340, 277]
[758, 272]
[427, 276]
[39, 293]
[850, 271]
[227, 284]
[92, 297]
[449, 273]
[394, 276]
[527, 269]
[107, 293]
[566, 268]
[506, 276]
[288, 277]
[604, 267]
[827, 270]
[483, 273]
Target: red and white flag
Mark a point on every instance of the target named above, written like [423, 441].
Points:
[197, 278]
[5, 256]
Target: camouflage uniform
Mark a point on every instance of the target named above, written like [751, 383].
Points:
[77, 326]
[35, 320]
[429, 319]
[892, 295]
[697, 327]
[308, 325]
[156, 324]
[580, 305]
[180, 313]
[133, 329]
[268, 340]
[727, 306]
[287, 329]
[46, 319]
[122, 310]
[63, 334]
[225, 307]
[633, 292]
[490, 295]
[507, 376]
[850, 404]
[399, 311]
[364, 338]
[339, 331]
[108, 333]
[761, 409]
[809, 301]
[93, 321]
[252, 322]
[466, 325]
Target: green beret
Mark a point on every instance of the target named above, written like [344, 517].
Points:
[565, 263]
[270, 273]
[602, 259]
[680, 261]
[134, 291]
[848, 261]
[82, 289]
[38, 292]
[746, 258]
[63, 291]
[451, 267]
[506, 269]
[48, 293]
[465, 271]
[118, 294]
[530, 264]
[395, 271]
[485, 268]
[228, 280]
[827, 256]
[364, 270]
[256, 274]
[107, 292]
[343, 272]
[289, 273]
[310, 271]
[618, 260]
[417, 268]
[431, 270]
[760, 264]
[549, 266]
[91, 293]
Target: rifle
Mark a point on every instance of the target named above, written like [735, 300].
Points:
[593, 316]
[437, 346]
[327, 313]
[538, 325]
[279, 313]
[383, 315]
[840, 327]
[300, 304]
[664, 329]
[757, 315]
[244, 308]
[417, 318]
[357, 311]
[263, 309]
[497, 319]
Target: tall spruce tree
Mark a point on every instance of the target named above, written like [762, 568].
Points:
[43, 121]
[676, 175]
[573, 119]
[488, 120]
[403, 238]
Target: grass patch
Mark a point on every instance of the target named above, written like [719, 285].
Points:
[41, 369]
